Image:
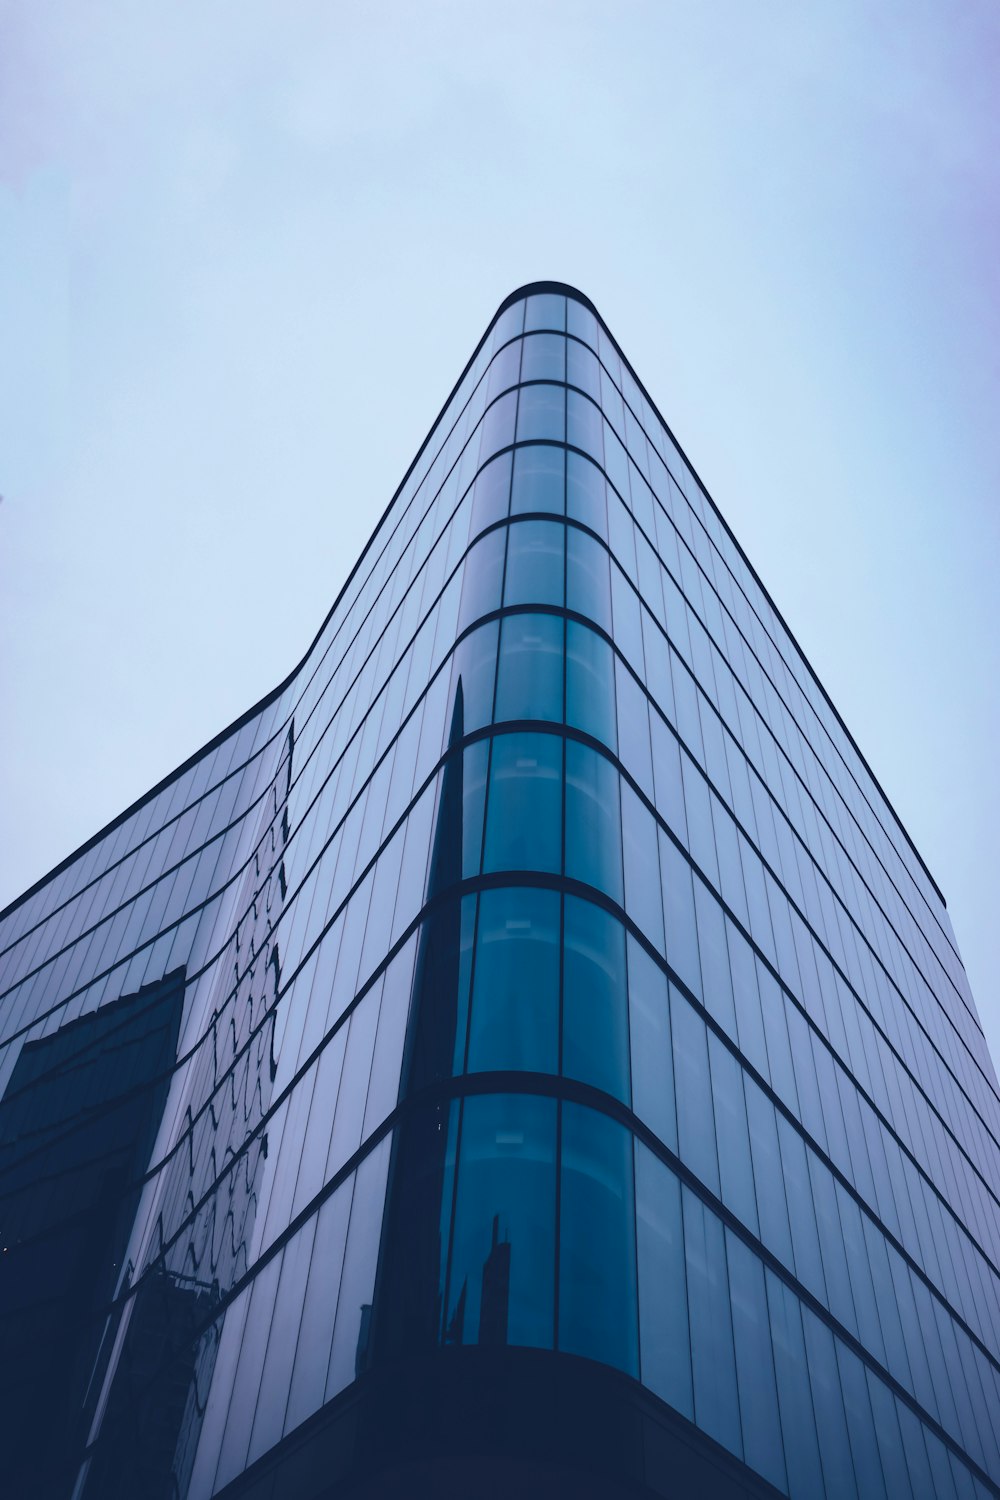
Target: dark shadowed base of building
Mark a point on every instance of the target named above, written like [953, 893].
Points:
[494, 1423]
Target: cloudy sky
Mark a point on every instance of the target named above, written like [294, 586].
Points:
[245, 249]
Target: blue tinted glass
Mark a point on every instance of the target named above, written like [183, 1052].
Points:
[501, 1281]
[649, 1036]
[541, 412]
[750, 1027]
[771, 1205]
[664, 1342]
[763, 1449]
[667, 777]
[497, 429]
[798, 1422]
[678, 914]
[584, 425]
[535, 563]
[713, 1363]
[530, 676]
[475, 663]
[524, 812]
[642, 867]
[544, 358]
[717, 980]
[482, 579]
[545, 310]
[597, 1289]
[588, 581]
[539, 480]
[593, 823]
[695, 1120]
[586, 498]
[515, 996]
[475, 765]
[491, 494]
[590, 683]
[732, 1134]
[828, 1402]
[582, 369]
[595, 1000]
[858, 1410]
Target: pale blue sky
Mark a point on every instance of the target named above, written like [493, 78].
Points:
[245, 249]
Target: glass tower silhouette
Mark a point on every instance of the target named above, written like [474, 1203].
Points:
[525, 1054]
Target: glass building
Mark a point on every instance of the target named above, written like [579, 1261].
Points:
[525, 1054]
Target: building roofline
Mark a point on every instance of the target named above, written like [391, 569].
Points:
[531, 288]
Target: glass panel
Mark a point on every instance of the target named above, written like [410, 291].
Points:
[501, 1276]
[586, 494]
[539, 480]
[590, 683]
[535, 563]
[755, 1367]
[732, 1133]
[664, 1343]
[491, 494]
[649, 1034]
[524, 810]
[530, 678]
[474, 666]
[541, 412]
[544, 358]
[515, 999]
[588, 581]
[798, 1421]
[593, 827]
[597, 1278]
[678, 915]
[595, 1004]
[716, 1406]
[695, 1119]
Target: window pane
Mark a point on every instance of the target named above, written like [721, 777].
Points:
[695, 1119]
[716, 1406]
[530, 680]
[500, 1284]
[524, 806]
[586, 494]
[541, 412]
[664, 1344]
[754, 1363]
[515, 1003]
[491, 494]
[649, 1036]
[539, 480]
[678, 914]
[597, 1290]
[593, 826]
[535, 563]
[595, 1003]
[590, 683]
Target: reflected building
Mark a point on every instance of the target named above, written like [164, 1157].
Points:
[525, 1054]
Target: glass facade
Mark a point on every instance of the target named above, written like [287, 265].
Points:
[536, 993]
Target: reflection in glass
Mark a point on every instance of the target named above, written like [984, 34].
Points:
[595, 999]
[530, 671]
[524, 812]
[597, 1278]
[515, 1000]
[539, 479]
[593, 825]
[502, 1264]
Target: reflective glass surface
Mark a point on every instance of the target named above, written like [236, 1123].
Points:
[541, 967]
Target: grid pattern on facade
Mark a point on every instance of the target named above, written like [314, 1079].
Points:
[550, 902]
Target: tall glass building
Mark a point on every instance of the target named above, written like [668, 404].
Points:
[525, 1054]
